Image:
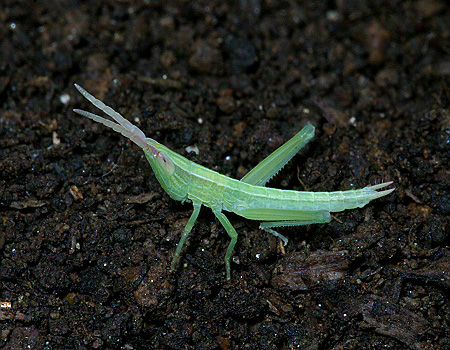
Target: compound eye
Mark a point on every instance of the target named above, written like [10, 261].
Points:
[165, 163]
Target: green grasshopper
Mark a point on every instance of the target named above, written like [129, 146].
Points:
[185, 180]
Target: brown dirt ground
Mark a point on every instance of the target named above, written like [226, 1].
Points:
[87, 233]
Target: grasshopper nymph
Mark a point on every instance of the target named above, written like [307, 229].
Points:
[185, 180]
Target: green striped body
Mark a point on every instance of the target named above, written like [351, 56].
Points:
[216, 191]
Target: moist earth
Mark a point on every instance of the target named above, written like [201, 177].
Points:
[87, 234]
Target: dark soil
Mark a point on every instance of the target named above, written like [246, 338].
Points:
[87, 233]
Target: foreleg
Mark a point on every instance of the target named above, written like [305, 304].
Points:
[186, 231]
